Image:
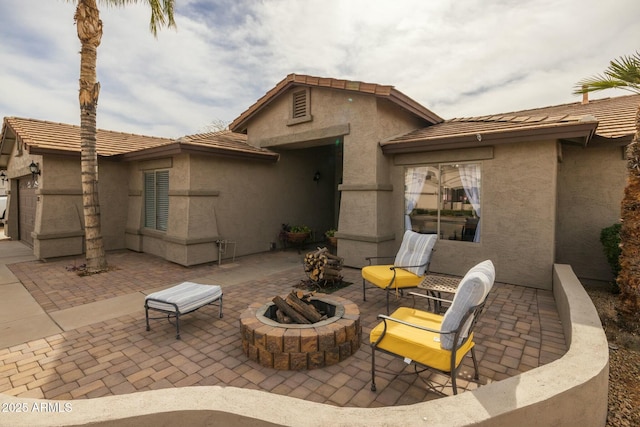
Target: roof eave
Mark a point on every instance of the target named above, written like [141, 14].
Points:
[600, 141]
[414, 107]
[230, 153]
[240, 123]
[6, 144]
[177, 148]
[582, 130]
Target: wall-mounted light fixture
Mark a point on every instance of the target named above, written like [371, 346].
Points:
[316, 176]
[3, 177]
[35, 169]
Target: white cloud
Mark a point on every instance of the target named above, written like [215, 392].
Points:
[456, 58]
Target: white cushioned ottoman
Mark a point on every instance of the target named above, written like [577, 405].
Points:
[182, 299]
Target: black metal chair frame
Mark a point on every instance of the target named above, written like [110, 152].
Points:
[393, 268]
[475, 311]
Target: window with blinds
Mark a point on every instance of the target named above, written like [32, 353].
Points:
[156, 199]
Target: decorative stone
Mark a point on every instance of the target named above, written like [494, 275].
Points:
[332, 356]
[326, 339]
[316, 360]
[281, 361]
[345, 350]
[298, 361]
[308, 340]
[291, 342]
[265, 358]
[274, 340]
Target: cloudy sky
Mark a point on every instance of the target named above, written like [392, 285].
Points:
[456, 57]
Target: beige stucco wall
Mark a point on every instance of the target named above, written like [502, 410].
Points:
[243, 201]
[590, 188]
[518, 196]
[17, 168]
[362, 122]
[368, 224]
[59, 229]
[530, 204]
[113, 203]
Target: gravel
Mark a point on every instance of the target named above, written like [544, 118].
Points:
[624, 362]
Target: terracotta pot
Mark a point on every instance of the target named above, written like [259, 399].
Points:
[296, 237]
[333, 241]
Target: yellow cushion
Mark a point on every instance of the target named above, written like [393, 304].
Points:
[381, 275]
[416, 344]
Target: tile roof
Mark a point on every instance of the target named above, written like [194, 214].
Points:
[615, 115]
[615, 119]
[43, 136]
[225, 140]
[383, 91]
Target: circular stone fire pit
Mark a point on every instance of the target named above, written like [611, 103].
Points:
[299, 347]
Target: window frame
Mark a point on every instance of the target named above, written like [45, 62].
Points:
[439, 197]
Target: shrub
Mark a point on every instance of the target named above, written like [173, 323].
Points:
[610, 239]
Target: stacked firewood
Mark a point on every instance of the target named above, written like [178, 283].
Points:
[297, 308]
[321, 265]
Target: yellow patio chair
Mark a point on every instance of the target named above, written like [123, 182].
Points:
[408, 269]
[433, 341]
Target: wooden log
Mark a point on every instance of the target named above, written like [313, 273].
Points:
[317, 253]
[289, 311]
[306, 297]
[282, 318]
[328, 276]
[332, 271]
[332, 256]
[322, 265]
[307, 310]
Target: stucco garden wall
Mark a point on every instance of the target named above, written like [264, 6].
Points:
[591, 184]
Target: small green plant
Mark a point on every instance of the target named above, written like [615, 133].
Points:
[330, 233]
[610, 239]
[299, 229]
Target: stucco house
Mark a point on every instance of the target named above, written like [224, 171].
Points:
[526, 188]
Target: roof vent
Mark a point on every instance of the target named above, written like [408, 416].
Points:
[300, 104]
[300, 107]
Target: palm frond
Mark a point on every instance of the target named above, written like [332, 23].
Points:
[626, 69]
[161, 12]
[622, 73]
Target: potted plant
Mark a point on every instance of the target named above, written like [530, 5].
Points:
[298, 233]
[331, 238]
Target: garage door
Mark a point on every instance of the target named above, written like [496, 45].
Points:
[26, 210]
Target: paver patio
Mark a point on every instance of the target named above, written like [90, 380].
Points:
[519, 331]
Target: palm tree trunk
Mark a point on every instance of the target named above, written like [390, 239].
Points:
[629, 277]
[89, 27]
